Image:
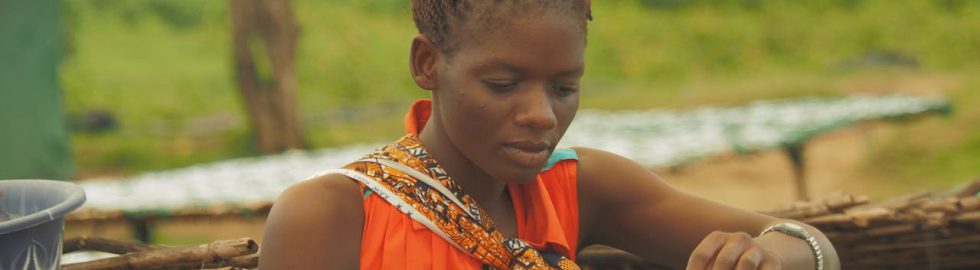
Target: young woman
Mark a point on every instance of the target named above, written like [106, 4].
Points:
[477, 182]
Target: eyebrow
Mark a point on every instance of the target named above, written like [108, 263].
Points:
[497, 64]
[577, 71]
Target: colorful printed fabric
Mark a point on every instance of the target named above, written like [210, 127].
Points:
[406, 176]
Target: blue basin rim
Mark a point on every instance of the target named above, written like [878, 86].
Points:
[75, 198]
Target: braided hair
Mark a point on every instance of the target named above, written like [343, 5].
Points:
[442, 20]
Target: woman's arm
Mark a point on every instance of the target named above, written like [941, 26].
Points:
[316, 224]
[626, 205]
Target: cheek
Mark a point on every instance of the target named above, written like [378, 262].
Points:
[472, 113]
[565, 111]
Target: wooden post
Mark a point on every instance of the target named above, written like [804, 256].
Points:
[795, 153]
[142, 230]
[264, 34]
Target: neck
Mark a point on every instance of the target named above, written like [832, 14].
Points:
[488, 192]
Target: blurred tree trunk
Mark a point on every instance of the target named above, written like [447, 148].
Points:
[264, 34]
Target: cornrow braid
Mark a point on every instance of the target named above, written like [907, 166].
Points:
[441, 19]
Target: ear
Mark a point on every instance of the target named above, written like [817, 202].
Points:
[422, 62]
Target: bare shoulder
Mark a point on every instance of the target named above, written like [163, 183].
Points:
[325, 198]
[315, 223]
[595, 162]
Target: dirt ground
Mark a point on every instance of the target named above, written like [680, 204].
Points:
[763, 180]
[756, 181]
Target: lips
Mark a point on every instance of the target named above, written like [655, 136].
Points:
[530, 154]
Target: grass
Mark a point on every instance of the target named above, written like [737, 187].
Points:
[164, 69]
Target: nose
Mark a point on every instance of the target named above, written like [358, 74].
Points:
[535, 110]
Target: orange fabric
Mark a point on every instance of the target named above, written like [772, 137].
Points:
[417, 116]
[547, 219]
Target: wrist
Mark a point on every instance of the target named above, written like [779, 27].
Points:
[808, 250]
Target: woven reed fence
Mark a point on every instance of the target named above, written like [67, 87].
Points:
[915, 231]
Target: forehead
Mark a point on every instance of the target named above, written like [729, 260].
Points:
[533, 42]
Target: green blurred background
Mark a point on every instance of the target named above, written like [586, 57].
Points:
[163, 70]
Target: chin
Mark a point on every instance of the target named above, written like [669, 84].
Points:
[524, 176]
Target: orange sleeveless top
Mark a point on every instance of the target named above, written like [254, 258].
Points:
[547, 219]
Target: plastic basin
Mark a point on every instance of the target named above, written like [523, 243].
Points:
[32, 221]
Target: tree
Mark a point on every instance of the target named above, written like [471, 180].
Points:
[264, 34]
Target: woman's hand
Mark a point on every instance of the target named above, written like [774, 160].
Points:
[732, 251]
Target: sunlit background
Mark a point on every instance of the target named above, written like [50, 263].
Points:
[150, 85]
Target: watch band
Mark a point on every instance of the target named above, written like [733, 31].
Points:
[798, 231]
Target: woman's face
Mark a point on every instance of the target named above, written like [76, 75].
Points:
[506, 97]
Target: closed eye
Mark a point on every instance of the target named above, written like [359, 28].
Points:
[565, 90]
[500, 86]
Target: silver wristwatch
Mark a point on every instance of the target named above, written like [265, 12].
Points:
[798, 231]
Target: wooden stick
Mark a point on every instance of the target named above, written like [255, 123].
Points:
[919, 244]
[246, 262]
[968, 217]
[864, 217]
[911, 264]
[895, 229]
[239, 211]
[969, 203]
[216, 252]
[970, 190]
[598, 257]
[904, 201]
[95, 243]
[837, 203]
[944, 205]
[834, 203]
[833, 219]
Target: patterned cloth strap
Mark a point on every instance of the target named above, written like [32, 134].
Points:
[406, 176]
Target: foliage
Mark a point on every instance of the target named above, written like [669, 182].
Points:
[164, 69]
